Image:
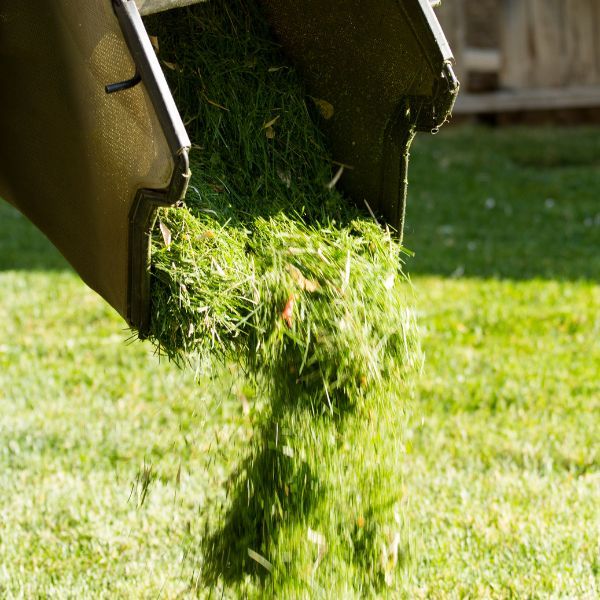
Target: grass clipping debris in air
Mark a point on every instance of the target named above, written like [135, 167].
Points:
[271, 267]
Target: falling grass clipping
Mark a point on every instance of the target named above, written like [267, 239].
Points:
[270, 267]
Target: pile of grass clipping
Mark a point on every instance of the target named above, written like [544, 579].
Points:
[269, 266]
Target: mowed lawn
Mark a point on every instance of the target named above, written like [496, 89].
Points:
[112, 463]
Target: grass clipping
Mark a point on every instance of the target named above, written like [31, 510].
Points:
[269, 266]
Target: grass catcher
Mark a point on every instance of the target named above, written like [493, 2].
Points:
[91, 142]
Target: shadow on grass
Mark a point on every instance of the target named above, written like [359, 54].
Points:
[270, 491]
[513, 203]
[23, 247]
[274, 489]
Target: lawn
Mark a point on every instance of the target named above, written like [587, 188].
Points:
[115, 465]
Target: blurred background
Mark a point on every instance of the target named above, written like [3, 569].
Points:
[532, 60]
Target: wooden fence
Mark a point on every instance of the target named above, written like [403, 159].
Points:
[547, 54]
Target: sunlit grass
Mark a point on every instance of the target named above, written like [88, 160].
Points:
[498, 465]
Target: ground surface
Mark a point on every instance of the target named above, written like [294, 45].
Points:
[111, 462]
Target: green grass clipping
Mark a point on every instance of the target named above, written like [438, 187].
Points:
[269, 267]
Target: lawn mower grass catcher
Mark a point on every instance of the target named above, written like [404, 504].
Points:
[91, 141]
[285, 257]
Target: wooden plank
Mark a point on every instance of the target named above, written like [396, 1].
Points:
[582, 49]
[482, 60]
[532, 43]
[516, 64]
[546, 43]
[529, 99]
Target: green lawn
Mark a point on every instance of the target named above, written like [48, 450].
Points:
[113, 465]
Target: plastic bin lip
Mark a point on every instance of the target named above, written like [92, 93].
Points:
[143, 209]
